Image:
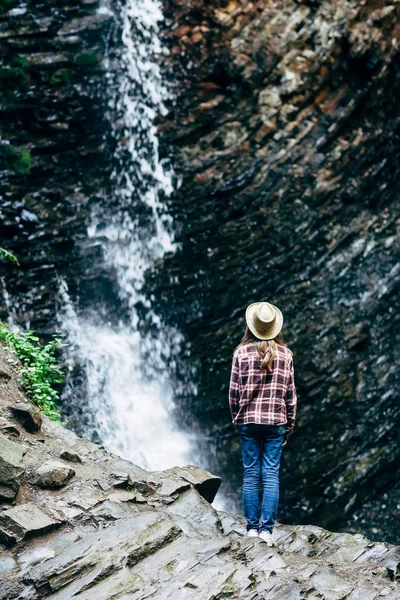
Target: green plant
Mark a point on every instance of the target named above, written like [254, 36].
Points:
[9, 256]
[40, 370]
[18, 159]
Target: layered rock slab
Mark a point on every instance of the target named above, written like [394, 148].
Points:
[11, 467]
[118, 531]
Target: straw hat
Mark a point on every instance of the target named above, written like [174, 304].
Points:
[264, 320]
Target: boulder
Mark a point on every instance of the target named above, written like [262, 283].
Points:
[71, 456]
[53, 475]
[205, 483]
[23, 521]
[28, 415]
[11, 467]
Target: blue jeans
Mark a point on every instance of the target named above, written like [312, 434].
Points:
[261, 452]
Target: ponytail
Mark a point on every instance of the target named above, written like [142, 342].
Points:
[266, 350]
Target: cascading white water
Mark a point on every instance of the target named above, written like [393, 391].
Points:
[131, 406]
[9, 305]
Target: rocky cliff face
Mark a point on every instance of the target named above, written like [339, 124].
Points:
[286, 135]
[55, 160]
[78, 521]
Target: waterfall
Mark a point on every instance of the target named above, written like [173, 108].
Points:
[127, 389]
[11, 319]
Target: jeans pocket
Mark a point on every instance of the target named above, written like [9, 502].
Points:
[282, 429]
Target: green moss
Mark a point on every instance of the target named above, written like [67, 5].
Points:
[18, 159]
[61, 77]
[171, 566]
[89, 58]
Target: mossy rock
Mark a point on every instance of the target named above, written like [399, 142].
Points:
[89, 58]
[18, 159]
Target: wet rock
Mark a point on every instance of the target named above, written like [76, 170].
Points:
[24, 521]
[28, 415]
[11, 467]
[70, 455]
[53, 475]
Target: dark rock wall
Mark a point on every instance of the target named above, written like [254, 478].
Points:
[285, 132]
[54, 158]
[286, 135]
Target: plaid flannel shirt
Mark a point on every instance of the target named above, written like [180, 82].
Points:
[258, 396]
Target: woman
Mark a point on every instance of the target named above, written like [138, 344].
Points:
[263, 404]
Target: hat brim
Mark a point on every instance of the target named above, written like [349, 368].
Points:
[275, 328]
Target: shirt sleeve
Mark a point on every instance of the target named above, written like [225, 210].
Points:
[291, 400]
[234, 388]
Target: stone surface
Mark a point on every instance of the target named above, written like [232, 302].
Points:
[28, 415]
[70, 455]
[23, 521]
[11, 467]
[53, 475]
[284, 135]
[205, 483]
[100, 538]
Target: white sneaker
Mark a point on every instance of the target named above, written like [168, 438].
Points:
[252, 533]
[266, 536]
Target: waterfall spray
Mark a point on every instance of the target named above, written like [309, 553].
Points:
[130, 404]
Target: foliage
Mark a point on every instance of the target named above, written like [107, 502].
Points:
[18, 159]
[9, 256]
[40, 369]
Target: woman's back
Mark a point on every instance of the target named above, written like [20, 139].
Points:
[261, 396]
